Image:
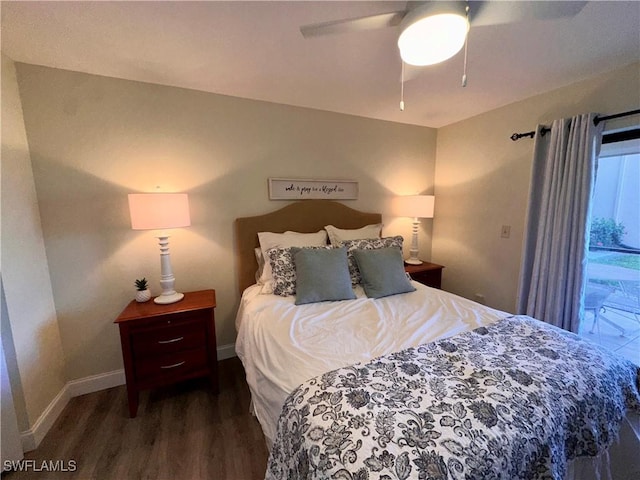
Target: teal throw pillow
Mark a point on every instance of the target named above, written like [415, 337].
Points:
[322, 275]
[382, 272]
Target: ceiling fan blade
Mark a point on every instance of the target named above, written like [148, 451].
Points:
[483, 13]
[370, 22]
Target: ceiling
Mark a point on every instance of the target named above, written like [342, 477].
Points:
[255, 50]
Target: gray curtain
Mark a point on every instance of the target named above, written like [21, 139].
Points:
[556, 236]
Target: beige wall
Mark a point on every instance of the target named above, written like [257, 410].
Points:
[94, 139]
[482, 182]
[30, 333]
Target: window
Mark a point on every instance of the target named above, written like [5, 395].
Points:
[612, 299]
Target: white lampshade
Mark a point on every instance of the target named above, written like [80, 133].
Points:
[159, 211]
[416, 206]
[433, 33]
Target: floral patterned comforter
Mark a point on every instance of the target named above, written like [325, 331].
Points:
[514, 400]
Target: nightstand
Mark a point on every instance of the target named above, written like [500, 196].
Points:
[429, 274]
[165, 344]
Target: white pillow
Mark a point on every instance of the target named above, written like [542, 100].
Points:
[269, 240]
[339, 235]
[260, 260]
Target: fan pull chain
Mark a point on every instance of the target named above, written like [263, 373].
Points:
[402, 87]
[466, 44]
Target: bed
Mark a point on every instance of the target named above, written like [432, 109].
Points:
[423, 384]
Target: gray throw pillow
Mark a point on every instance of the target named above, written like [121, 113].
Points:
[283, 269]
[382, 272]
[321, 275]
[367, 244]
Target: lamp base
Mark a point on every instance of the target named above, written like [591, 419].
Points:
[171, 298]
[413, 261]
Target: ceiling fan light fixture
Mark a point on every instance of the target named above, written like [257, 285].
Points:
[431, 37]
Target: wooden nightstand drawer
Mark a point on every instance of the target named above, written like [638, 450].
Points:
[168, 368]
[168, 338]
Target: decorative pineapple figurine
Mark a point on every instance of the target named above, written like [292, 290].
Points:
[143, 294]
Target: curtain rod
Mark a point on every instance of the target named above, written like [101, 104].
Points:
[596, 121]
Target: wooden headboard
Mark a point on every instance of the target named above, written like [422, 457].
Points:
[306, 216]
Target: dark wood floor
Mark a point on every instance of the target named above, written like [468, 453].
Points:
[181, 432]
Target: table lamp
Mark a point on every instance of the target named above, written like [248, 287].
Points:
[161, 211]
[416, 206]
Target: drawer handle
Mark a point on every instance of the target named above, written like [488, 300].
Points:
[172, 366]
[172, 340]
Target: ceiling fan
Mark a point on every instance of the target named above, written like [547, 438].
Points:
[434, 31]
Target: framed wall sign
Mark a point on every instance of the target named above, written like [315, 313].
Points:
[299, 189]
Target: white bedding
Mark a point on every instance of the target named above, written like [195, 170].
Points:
[281, 345]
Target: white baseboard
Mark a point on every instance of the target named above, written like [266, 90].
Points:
[32, 437]
[74, 388]
[226, 351]
[95, 383]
